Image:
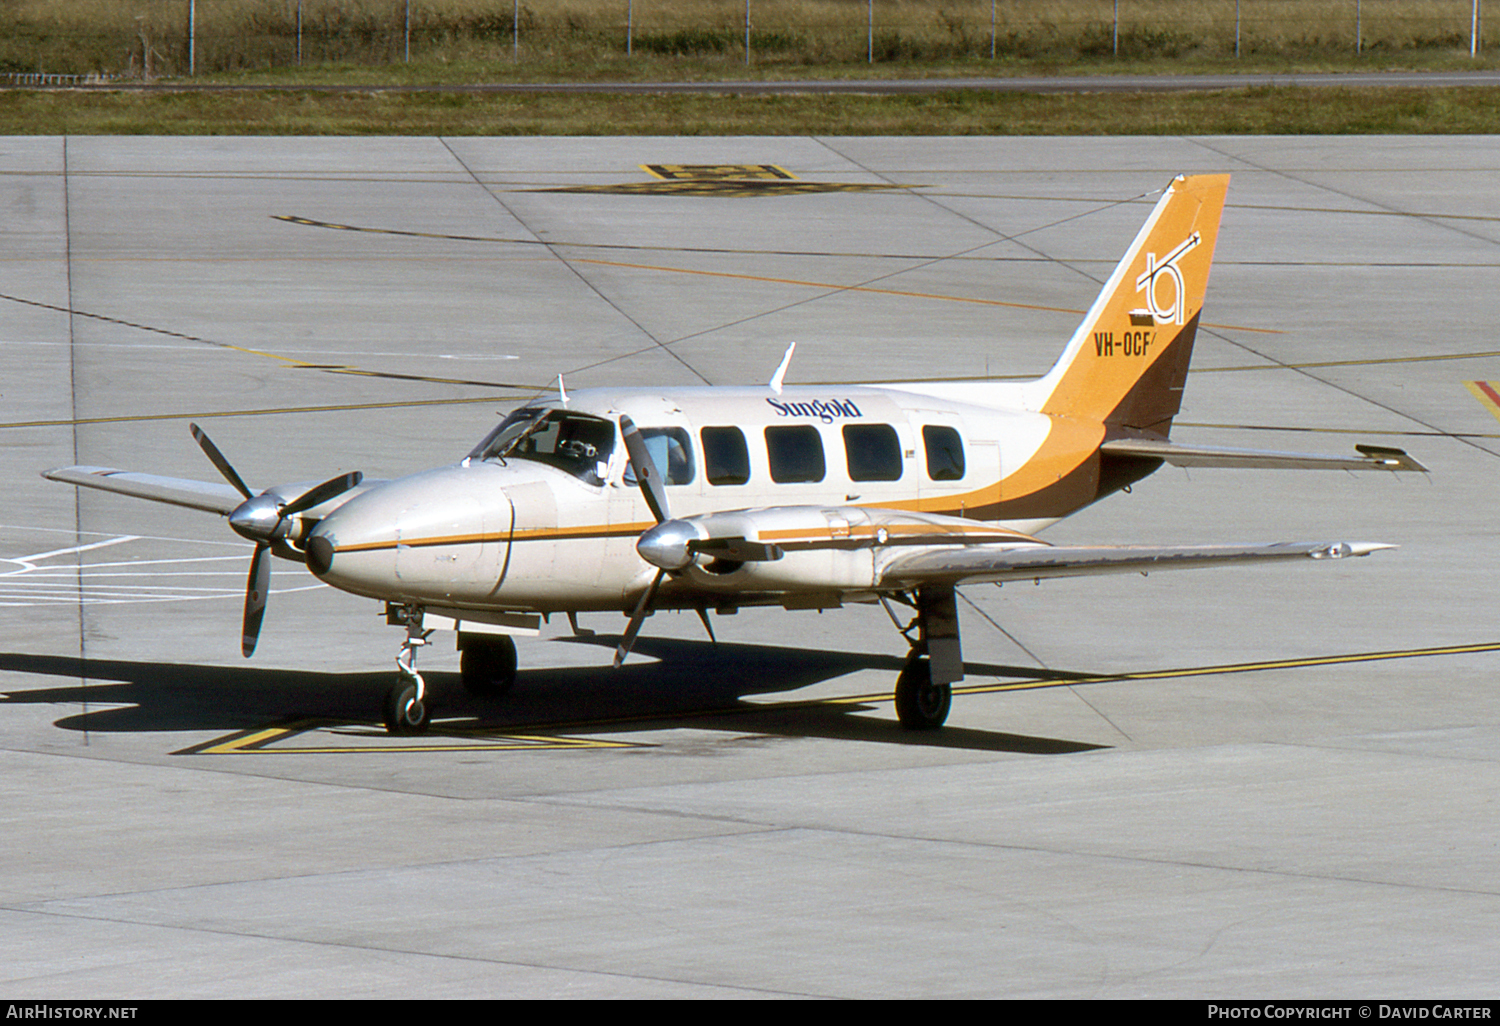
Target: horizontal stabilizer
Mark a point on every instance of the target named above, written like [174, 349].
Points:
[983, 563]
[1372, 457]
[208, 496]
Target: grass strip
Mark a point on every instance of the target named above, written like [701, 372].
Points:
[1257, 111]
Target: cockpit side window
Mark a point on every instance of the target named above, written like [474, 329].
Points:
[671, 451]
[573, 442]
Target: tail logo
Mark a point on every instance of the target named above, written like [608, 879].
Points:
[1174, 312]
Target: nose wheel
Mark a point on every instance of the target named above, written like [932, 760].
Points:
[406, 709]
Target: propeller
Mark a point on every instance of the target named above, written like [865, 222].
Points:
[654, 492]
[672, 545]
[266, 520]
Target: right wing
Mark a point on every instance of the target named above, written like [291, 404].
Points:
[208, 496]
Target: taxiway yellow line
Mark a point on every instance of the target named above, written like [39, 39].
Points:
[267, 741]
[1346, 659]
[880, 292]
[263, 412]
[1367, 362]
[260, 741]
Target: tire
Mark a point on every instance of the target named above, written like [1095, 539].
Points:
[487, 665]
[920, 704]
[404, 715]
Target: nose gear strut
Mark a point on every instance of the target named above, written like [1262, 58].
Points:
[407, 710]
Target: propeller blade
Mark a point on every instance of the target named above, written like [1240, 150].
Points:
[322, 493]
[256, 588]
[217, 459]
[646, 474]
[642, 610]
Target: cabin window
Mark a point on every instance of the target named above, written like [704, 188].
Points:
[726, 457]
[573, 442]
[672, 453]
[945, 453]
[795, 453]
[873, 452]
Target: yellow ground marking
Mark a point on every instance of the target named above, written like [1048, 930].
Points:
[1367, 362]
[733, 180]
[1335, 431]
[273, 741]
[881, 292]
[731, 189]
[1488, 394]
[717, 172]
[266, 411]
[261, 740]
[1038, 683]
[747, 277]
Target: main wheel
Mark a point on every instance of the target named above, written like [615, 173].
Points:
[404, 713]
[921, 704]
[487, 665]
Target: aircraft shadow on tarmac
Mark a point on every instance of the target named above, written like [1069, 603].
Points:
[686, 684]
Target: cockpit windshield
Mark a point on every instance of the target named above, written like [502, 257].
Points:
[573, 442]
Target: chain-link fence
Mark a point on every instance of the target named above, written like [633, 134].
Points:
[144, 39]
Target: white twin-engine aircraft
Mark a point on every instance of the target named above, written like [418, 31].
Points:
[806, 498]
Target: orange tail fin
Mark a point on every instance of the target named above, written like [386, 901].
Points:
[1126, 363]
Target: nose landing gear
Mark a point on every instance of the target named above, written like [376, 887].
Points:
[407, 710]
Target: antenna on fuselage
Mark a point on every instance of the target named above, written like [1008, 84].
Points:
[780, 374]
[562, 392]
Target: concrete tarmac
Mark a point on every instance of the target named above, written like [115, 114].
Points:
[1278, 782]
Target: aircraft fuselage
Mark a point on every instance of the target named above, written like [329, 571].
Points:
[556, 528]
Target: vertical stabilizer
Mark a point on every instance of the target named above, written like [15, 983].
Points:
[1126, 363]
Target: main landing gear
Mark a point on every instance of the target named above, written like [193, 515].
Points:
[924, 689]
[487, 664]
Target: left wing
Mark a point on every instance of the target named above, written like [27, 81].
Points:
[975, 564]
[857, 547]
[1371, 457]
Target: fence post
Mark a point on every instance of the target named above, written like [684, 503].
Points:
[629, 27]
[1236, 29]
[992, 29]
[406, 36]
[870, 32]
[299, 33]
[1359, 31]
[747, 33]
[515, 30]
[1474, 30]
[1117, 29]
[192, 37]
